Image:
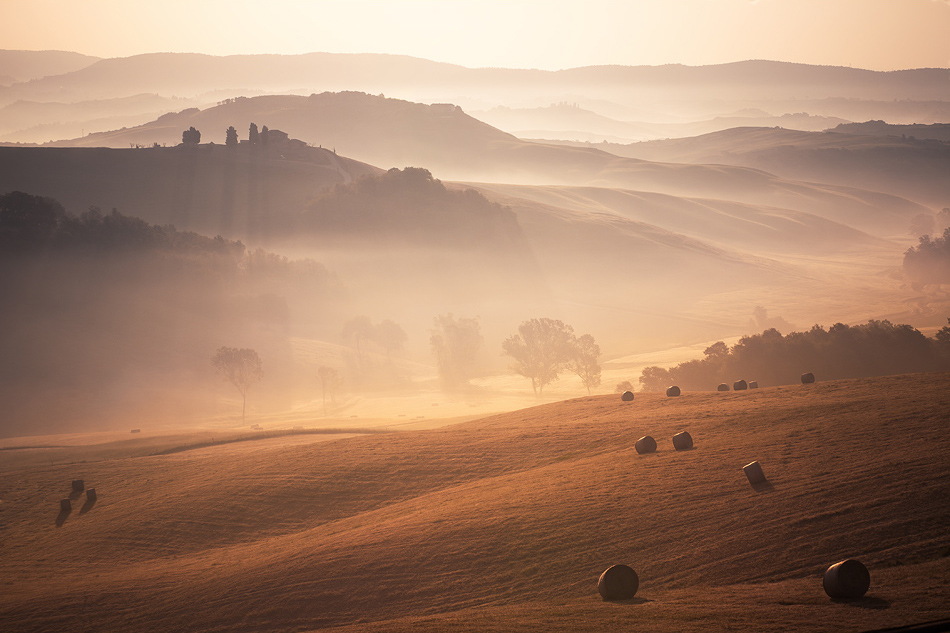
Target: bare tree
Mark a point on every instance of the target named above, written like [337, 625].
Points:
[584, 363]
[541, 349]
[242, 367]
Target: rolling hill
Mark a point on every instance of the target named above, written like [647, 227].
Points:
[860, 155]
[24, 66]
[502, 523]
[454, 146]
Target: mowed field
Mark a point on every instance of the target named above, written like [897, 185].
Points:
[504, 523]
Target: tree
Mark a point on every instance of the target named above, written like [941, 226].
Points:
[191, 136]
[541, 349]
[264, 134]
[584, 363]
[329, 381]
[390, 336]
[242, 367]
[253, 136]
[231, 137]
[625, 385]
[455, 344]
[358, 329]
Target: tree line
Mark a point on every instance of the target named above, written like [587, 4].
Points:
[876, 348]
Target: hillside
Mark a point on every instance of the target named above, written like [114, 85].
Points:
[669, 100]
[504, 523]
[209, 189]
[570, 122]
[454, 146]
[22, 66]
[850, 155]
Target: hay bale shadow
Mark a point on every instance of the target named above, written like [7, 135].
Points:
[763, 486]
[75, 494]
[633, 600]
[864, 602]
[61, 517]
[86, 507]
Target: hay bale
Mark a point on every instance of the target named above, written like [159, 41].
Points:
[78, 485]
[619, 582]
[808, 378]
[136, 430]
[722, 387]
[91, 494]
[627, 396]
[754, 472]
[673, 391]
[740, 385]
[753, 384]
[848, 579]
[683, 441]
[65, 505]
[646, 444]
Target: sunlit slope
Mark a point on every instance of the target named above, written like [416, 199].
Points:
[520, 511]
[454, 146]
[735, 225]
[896, 164]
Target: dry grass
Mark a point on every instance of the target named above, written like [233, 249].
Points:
[505, 523]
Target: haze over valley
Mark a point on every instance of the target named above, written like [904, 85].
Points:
[382, 327]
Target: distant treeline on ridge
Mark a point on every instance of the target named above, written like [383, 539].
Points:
[876, 348]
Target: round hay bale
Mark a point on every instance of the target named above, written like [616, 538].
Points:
[136, 430]
[848, 579]
[754, 472]
[91, 494]
[646, 444]
[683, 441]
[627, 396]
[722, 387]
[619, 582]
[65, 505]
[808, 378]
[753, 384]
[740, 385]
[78, 485]
[673, 391]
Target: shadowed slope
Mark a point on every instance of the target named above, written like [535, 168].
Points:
[519, 512]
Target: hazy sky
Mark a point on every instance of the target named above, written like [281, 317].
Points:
[553, 34]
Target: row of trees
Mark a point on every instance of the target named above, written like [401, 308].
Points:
[541, 350]
[254, 136]
[192, 136]
[876, 348]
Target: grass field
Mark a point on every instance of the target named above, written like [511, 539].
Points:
[500, 523]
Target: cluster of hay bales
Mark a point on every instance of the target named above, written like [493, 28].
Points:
[78, 485]
[847, 580]
[627, 396]
[672, 392]
[646, 444]
[618, 582]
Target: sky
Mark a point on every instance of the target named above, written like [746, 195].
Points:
[550, 35]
